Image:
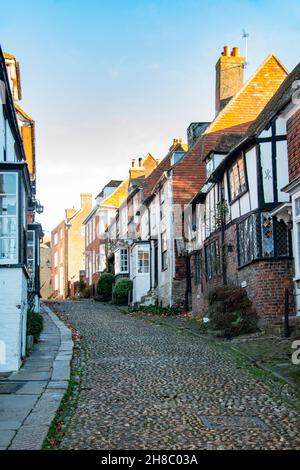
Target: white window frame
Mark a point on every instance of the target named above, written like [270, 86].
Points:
[140, 256]
[32, 260]
[16, 217]
[55, 259]
[296, 236]
[56, 283]
[119, 261]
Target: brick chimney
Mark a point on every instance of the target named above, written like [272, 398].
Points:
[229, 76]
[86, 201]
[70, 212]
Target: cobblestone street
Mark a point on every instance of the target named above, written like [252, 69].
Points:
[151, 387]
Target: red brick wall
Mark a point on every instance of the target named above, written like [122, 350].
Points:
[265, 280]
[293, 141]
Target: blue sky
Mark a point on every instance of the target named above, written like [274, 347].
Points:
[108, 81]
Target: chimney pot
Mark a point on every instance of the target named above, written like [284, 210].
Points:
[226, 50]
[140, 161]
[235, 52]
[133, 163]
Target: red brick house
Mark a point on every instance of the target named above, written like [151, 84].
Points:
[178, 179]
[241, 219]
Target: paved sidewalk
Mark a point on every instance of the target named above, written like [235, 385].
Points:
[34, 392]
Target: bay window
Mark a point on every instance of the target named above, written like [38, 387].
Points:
[262, 236]
[237, 178]
[8, 218]
[296, 229]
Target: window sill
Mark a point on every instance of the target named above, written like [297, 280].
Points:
[273, 258]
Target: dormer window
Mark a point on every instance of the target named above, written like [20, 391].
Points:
[177, 156]
[212, 162]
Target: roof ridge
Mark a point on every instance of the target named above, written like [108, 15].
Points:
[231, 103]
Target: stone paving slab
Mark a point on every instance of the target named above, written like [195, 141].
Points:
[6, 438]
[58, 384]
[29, 438]
[32, 388]
[25, 416]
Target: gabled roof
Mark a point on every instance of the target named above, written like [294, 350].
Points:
[164, 165]
[111, 184]
[281, 98]
[117, 198]
[28, 137]
[277, 103]
[235, 118]
[246, 105]
[17, 81]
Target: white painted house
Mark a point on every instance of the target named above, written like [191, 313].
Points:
[17, 207]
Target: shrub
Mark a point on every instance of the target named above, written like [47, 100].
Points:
[105, 285]
[121, 290]
[231, 312]
[35, 324]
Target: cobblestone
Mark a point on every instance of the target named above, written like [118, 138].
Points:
[149, 387]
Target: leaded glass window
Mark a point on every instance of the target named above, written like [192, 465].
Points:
[197, 265]
[262, 236]
[267, 232]
[212, 255]
[247, 240]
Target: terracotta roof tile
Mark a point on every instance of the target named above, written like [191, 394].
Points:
[235, 118]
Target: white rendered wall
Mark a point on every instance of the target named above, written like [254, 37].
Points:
[13, 317]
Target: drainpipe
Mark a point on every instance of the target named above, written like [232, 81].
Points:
[169, 176]
[149, 229]
[223, 246]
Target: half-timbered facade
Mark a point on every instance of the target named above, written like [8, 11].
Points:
[239, 228]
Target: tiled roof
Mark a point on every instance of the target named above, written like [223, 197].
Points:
[121, 192]
[235, 118]
[164, 165]
[279, 100]
[276, 103]
[246, 105]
